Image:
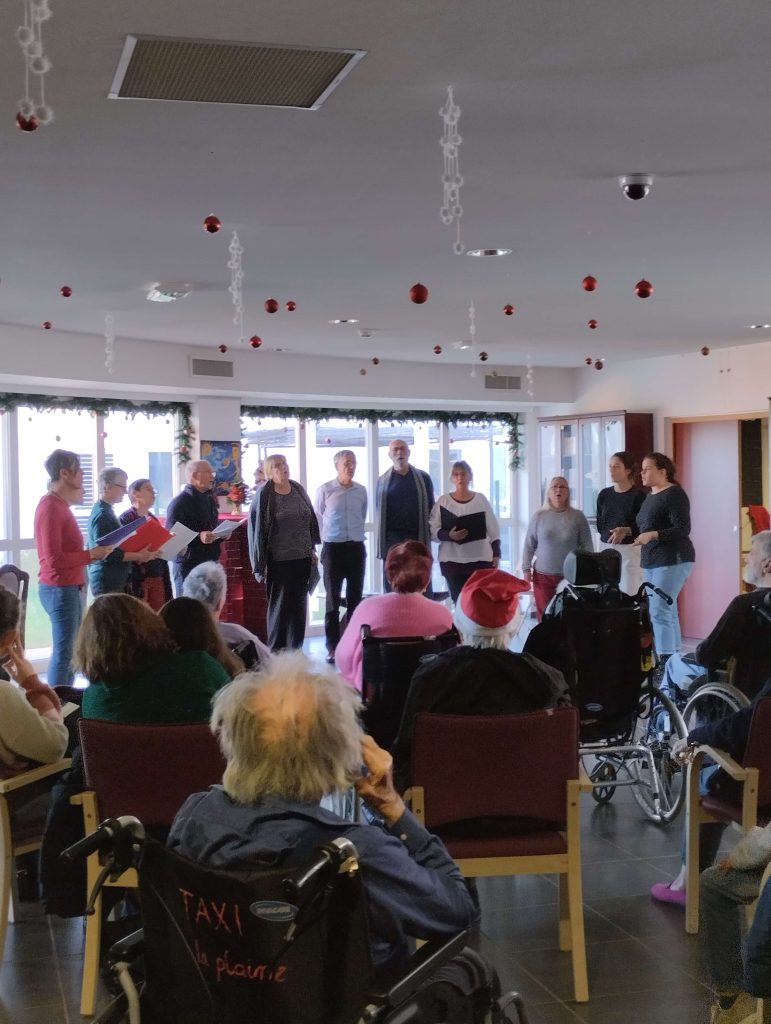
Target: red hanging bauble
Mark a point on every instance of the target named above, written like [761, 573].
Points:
[589, 283]
[705, 350]
[327, 440]
[291, 306]
[27, 124]
[508, 309]
[589, 360]
[592, 325]
[643, 289]
[483, 356]
[255, 341]
[375, 361]
[271, 306]
[212, 224]
[47, 325]
[599, 364]
[66, 291]
[418, 293]
[437, 350]
[363, 372]
[223, 349]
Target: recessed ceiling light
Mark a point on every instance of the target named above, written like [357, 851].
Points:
[464, 344]
[343, 320]
[488, 252]
[759, 327]
[165, 292]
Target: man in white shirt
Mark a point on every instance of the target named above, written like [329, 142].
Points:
[341, 507]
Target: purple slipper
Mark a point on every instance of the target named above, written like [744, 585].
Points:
[663, 892]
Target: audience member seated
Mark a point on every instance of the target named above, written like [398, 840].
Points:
[193, 629]
[404, 612]
[291, 735]
[729, 734]
[31, 726]
[134, 669]
[136, 674]
[725, 889]
[481, 677]
[208, 583]
[740, 634]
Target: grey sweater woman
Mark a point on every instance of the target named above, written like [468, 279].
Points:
[552, 535]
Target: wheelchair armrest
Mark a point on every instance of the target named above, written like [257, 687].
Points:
[396, 986]
[127, 949]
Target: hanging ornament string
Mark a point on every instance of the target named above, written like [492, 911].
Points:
[530, 376]
[451, 178]
[109, 342]
[472, 333]
[236, 284]
[30, 38]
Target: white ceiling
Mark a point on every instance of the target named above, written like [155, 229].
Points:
[338, 209]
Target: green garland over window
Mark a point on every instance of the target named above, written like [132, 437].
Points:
[314, 415]
[184, 435]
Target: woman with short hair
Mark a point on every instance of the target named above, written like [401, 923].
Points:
[460, 555]
[149, 581]
[283, 534]
[555, 530]
[208, 583]
[403, 612]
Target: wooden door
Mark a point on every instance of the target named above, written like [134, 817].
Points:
[707, 458]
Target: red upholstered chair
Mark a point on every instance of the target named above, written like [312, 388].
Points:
[502, 792]
[145, 770]
[750, 806]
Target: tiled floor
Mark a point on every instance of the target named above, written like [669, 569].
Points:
[642, 966]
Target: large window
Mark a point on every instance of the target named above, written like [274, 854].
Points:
[142, 445]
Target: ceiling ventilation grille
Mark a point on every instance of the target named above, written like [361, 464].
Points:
[202, 71]
[210, 367]
[501, 383]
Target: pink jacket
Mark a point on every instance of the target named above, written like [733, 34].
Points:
[388, 615]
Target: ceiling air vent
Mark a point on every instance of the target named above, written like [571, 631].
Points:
[501, 383]
[210, 367]
[205, 71]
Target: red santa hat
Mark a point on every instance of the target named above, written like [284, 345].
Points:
[489, 602]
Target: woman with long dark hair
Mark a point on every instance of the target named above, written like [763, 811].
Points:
[664, 525]
[617, 509]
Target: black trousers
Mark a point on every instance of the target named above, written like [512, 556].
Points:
[286, 584]
[341, 561]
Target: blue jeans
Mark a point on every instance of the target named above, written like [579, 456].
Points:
[664, 617]
[64, 607]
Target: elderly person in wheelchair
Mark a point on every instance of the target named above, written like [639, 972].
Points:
[291, 735]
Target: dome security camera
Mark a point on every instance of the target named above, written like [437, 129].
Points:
[636, 186]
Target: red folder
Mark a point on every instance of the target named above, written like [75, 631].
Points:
[149, 535]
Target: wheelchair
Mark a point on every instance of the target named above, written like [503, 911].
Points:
[279, 946]
[602, 641]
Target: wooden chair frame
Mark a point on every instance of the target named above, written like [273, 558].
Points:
[12, 849]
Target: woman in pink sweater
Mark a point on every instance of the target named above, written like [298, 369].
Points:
[405, 612]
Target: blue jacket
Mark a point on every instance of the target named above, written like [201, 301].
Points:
[412, 885]
[757, 953]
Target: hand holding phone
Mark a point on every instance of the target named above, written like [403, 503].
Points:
[376, 788]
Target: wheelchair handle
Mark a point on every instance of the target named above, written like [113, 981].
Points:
[334, 857]
[110, 833]
[647, 585]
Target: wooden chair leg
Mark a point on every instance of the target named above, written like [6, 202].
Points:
[7, 867]
[692, 822]
[576, 897]
[564, 910]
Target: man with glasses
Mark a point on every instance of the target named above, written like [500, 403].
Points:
[405, 497]
[195, 507]
[341, 509]
[110, 575]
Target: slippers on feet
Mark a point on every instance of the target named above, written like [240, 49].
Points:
[663, 892]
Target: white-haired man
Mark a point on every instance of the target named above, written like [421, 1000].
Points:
[195, 507]
[291, 735]
[110, 575]
[341, 509]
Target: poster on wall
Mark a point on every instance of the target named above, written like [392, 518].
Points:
[225, 459]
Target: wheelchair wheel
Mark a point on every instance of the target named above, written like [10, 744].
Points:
[603, 771]
[711, 702]
[659, 787]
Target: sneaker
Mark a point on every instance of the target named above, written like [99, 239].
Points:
[743, 1009]
[664, 893]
